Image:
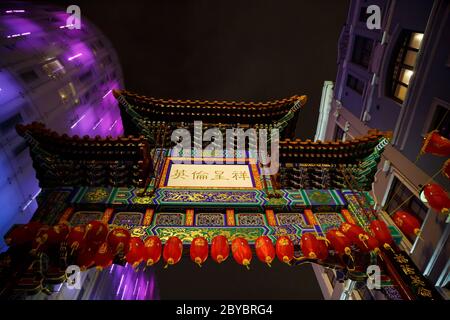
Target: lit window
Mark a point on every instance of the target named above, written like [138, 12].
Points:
[403, 63]
[67, 92]
[53, 68]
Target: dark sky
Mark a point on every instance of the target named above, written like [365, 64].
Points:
[251, 50]
[227, 50]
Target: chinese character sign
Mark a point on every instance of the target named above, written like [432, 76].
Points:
[205, 176]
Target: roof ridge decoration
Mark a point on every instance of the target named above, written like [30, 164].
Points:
[152, 100]
[62, 160]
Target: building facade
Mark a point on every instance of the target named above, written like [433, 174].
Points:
[396, 79]
[55, 75]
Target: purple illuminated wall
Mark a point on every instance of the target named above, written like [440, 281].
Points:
[31, 36]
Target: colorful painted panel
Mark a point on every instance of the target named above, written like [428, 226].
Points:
[209, 219]
[186, 234]
[202, 197]
[170, 219]
[329, 220]
[250, 219]
[127, 218]
[84, 217]
[291, 218]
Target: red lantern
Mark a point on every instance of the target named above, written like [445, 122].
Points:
[86, 257]
[311, 247]
[446, 169]
[23, 234]
[407, 223]
[382, 233]
[58, 234]
[199, 250]
[265, 250]
[96, 232]
[135, 253]
[75, 238]
[103, 257]
[322, 253]
[241, 251]
[437, 197]
[356, 234]
[436, 144]
[118, 240]
[152, 250]
[339, 242]
[40, 242]
[173, 249]
[285, 249]
[372, 245]
[219, 248]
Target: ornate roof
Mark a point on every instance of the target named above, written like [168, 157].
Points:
[60, 160]
[146, 114]
[328, 165]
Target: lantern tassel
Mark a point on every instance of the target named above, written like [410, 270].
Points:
[327, 242]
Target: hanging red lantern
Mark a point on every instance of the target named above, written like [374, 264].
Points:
[118, 240]
[57, 234]
[339, 242]
[310, 246]
[265, 250]
[241, 251]
[199, 250]
[152, 250]
[446, 169]
[75, 239]
[372, 245]
[407, 223]
[104, 256]
[23, 234]
[135, 253]
[173, 249]
[40, 242]
[382, 233]
[220, 249]
[96, 232]
[437, 197]
[436, 144]
[356, 234]
[86, 256]
[285, 249]
[322, 252]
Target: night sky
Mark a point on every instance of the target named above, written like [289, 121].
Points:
[227, 50]
[250, 50]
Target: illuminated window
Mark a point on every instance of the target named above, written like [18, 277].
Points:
[53, 68]
[403, 63]
[67, 92]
